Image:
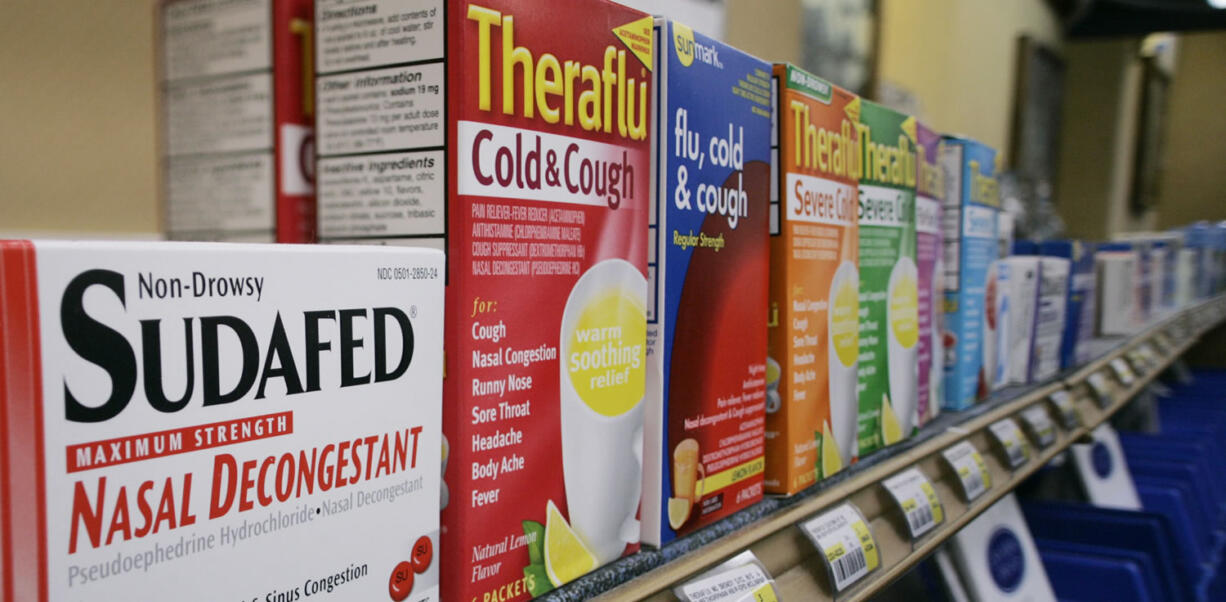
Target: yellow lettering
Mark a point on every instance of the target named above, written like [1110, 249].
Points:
[589, 100]
[548, 81]
[484, 18]
[571, 70]
[512, 55]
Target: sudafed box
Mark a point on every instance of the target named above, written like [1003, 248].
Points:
[220, 422]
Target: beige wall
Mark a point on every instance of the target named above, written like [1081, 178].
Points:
[1193, 186]
[77, 139]
[76, 117]
[1097, 138]
[959, 57]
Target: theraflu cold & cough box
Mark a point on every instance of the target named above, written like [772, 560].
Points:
[813, 327]
[708, 272]
[971, 205]
[214, 421]
[516, 135]
[889, 279]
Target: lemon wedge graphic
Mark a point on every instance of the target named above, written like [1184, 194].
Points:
[566, 558]
[891, 431]
[831, 461]
[678, 512]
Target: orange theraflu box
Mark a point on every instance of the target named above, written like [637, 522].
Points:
[813, 335]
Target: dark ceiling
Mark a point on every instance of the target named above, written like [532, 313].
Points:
[1091, 18]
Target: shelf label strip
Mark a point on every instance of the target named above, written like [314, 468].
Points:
[1011, 439]
[917, 499]
[1063, 400]
[1102, 391]
[1038, 420]
[972, 472]
[845, 543]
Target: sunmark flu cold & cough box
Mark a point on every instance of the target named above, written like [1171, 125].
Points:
[237, 138]
[177, 415]
[813, 334]
[516, 136]
[708, 268]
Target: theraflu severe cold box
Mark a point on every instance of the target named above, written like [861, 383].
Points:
[708, 269]
[515, 135]
[889, 279]
[971, 206]
[220, 422]
[813, 334]
[929, 196]
[237, 138]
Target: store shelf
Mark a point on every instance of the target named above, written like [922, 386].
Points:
[770, 529]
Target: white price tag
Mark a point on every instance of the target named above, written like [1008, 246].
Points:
[1063, 400]
[1149, 354]
[1038, 421]
[1102, 390]
[845, 544]
[1123, 371]
[972, 472]
[918, 500]
[763, 593]
[726, 586]
[1011, 439]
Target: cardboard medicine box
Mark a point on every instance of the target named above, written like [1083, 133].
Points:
[516, 136]
[704, 442]
[970, 217]
[930, 193]
[237, 113]
[813, 328]
[173, 406]
[889, 279]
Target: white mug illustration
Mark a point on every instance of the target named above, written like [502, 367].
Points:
[843, 328]
[603, 345]
[902, 307]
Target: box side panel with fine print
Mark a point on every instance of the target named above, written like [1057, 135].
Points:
[237, 111]
[889, 279]
[969, 218]
[813, 332]
[708, 270]
[206, 405]
[1079, 311]
[1050, 316]
[930, 194]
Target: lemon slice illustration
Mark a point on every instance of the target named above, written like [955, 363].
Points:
[566, 557]
[831, 461]
[678, 512]
[891, 431]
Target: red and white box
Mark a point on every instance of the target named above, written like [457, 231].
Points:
[237, 109]
[197, 421]
[515, 135]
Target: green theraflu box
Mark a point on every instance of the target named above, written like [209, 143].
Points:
[889, 280]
